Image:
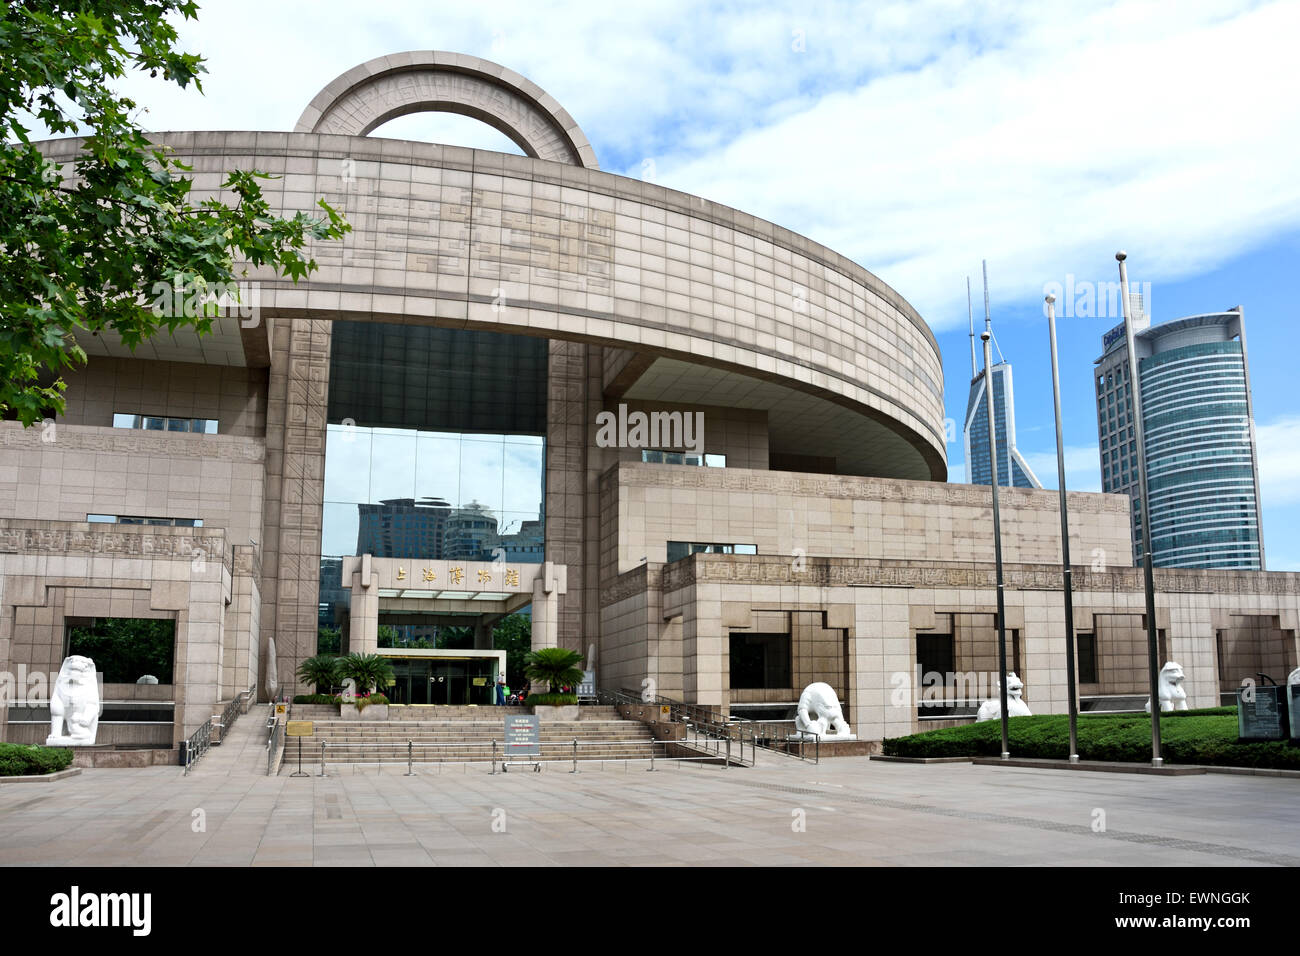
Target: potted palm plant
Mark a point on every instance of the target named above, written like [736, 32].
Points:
[557, 668]
[368, 675]
[321, 671]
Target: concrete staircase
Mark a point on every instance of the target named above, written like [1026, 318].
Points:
[457, 739]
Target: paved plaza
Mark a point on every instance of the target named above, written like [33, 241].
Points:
[853, 811]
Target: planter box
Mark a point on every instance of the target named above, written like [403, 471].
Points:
[371, 712]
[547, 712]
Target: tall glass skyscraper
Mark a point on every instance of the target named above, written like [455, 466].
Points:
[1202, 468]
[1013, 470]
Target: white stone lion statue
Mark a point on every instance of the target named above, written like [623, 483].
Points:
[820, 714]
[991, 709]
[1172, 695]
[76, 700]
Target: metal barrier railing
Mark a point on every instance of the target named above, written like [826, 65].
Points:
[774, 736]
[430, 754]
[231, 713]
[274, 739]
[198, 744]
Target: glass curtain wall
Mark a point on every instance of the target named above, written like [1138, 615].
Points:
[435, 448]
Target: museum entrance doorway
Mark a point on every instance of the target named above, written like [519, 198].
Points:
[441, 680]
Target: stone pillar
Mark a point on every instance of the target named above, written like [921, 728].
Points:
[297, 398]
[482, 635]
[703, 653]
[363, 632]
[884, 694]
[1043, 651]
[543, 612]
[1191, 643]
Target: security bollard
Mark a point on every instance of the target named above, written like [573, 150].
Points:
[410, 770]
[575, 756]
[321, 772]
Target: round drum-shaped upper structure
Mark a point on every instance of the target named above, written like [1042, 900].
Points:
[692, 301]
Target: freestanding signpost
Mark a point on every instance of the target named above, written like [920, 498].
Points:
[523, 739]
[1262, 713]
[299, 729]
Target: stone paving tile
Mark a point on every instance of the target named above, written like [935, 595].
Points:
[854, 812]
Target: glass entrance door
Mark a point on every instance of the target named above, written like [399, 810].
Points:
[440, 680]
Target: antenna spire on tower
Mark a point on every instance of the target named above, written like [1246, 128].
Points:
[988, 317]
[974, 368]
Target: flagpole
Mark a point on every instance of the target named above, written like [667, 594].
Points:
[1144, 511]
[985, 336]
[1067, 587]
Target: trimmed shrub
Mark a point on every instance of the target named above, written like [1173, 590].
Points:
[1207, 737]
[19, 760]
[551, 700]
[315, 699]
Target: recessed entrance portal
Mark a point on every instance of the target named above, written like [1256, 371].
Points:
[453, 680]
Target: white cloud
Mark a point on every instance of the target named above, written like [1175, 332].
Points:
[1277, 446]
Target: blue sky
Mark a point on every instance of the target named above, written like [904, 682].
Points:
[917, 138]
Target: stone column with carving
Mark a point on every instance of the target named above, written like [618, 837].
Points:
[298, 394]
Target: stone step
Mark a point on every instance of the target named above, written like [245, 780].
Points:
[402, 713]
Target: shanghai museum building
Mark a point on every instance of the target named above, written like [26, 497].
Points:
[703, 447]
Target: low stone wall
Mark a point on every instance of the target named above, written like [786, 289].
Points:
[116, 759]
[831, 748]
[314, 711]
[112, 735]
[942, 723]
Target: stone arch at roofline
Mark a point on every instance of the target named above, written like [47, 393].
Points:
[367, 96]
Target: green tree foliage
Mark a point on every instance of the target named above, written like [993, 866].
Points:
[329, 640]
[387, 636]
[454, 637]
[125, 649]
[321, 671]
[514, 635]
[554, 666]
[88, 245]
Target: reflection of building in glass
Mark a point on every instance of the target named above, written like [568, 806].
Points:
[333, 596]
[402, 528]
[1200, 447]
[470, 535]
[528, 544]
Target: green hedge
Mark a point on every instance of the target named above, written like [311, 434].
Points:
[18, 760]
[550, 700]
[315, 699]
[1207, 737]
[361, 702]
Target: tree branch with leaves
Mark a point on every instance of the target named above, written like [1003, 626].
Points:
[83, 244]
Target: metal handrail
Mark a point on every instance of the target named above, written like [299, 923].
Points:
[231, 712]
[198, 744]
[414, 756]
[762, 734]
[274, 739]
